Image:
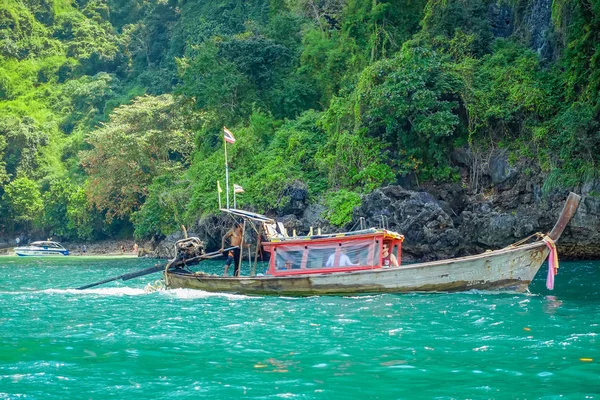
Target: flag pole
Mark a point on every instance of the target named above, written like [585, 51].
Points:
[226, 173]
[234, 202]
[219, 192]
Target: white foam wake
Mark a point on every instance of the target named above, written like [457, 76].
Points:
[200, 294]
[129, 291]
[121, 291]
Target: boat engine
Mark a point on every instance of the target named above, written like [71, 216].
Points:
[188, 249]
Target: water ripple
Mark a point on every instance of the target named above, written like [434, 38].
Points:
[120, 341]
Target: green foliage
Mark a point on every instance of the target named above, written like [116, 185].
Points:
[380, 27]
[216, 84]
[82, 219]
[443, 19]
[22, 35]
[353, 160]
[83, 100]
[90, 42]
[409, 104]
[576, 138]
[338, 97]
[348, 38]
[204, 173]
[509, 90]
[267, 158]
[23, 141]
[23, 202]
[581, 61]
[4, 177]
[56, 200]
[341, 204]
[234, 76]
[163, 211]
[332, 60]
[141, 140]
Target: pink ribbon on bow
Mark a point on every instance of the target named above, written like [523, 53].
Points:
[552, 262]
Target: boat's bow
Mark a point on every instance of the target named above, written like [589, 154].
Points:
[569, 209]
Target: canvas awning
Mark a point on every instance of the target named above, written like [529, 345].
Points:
[248, 215]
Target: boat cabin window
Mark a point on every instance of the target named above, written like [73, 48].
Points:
[327, 256]
[47, 245]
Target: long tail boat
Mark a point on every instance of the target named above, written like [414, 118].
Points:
[354, 263]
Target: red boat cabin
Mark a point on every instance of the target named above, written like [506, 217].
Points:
[344, 252]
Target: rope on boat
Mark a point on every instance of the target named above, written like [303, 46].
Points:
[520, 242]
[166, 270]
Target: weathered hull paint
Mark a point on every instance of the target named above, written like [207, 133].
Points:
[506, 269]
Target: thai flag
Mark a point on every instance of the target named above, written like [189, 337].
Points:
[228, 135]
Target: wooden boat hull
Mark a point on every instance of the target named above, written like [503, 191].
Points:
[506, 269]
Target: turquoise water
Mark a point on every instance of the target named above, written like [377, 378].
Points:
[117, 341]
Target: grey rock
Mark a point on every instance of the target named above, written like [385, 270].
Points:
[501, 19]
[296, 195]
[500, 169]
[591, 188]
[313, 216]
[540, 27]
[462, 156]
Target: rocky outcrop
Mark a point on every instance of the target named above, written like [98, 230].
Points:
[501, 19]
[452, 224]
[448, 220]
[429, 230]
[529, 21]
[444, 220]
[581, 239]
[539, 26]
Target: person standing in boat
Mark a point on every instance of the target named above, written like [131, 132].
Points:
[388, 259]
[233, 256]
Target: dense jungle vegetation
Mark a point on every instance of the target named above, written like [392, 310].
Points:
[112, 111]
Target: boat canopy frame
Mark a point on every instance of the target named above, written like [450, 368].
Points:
[344, 252]
[367, 255]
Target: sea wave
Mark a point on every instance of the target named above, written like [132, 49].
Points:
[115, 291]
[130, 291]
[200, 294]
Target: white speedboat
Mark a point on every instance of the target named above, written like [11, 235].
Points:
[42, 248]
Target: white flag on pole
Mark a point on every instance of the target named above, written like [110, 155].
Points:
[238, 188]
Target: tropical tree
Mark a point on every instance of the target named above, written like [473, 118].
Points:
[141, 140]
[24, 202]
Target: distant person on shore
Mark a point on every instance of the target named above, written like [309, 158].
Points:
[233, 256]
[83, 249]
[135, 248]
[122, 249]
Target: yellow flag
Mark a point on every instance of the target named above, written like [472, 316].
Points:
[219, 187]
